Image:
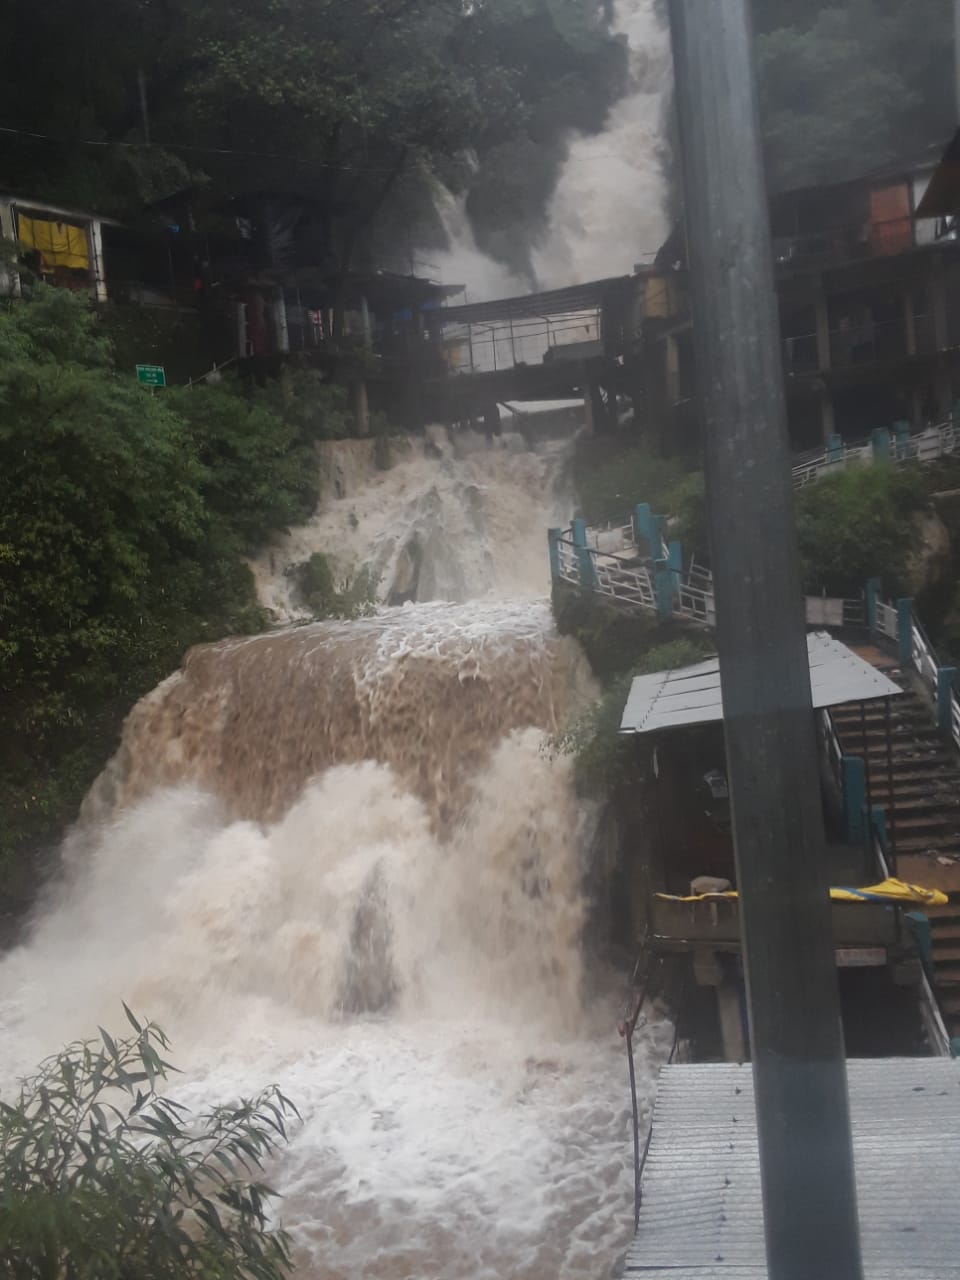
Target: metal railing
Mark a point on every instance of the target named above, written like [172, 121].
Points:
[611, 564]
[888, 446]
[887, 620]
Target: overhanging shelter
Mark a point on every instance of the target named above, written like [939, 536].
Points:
[691, 695]
[683, 828]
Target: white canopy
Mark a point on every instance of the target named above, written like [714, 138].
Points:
[691, 695]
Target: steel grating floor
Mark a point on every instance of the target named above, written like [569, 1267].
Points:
[701, 1216]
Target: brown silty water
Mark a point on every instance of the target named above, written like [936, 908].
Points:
[342, 857]
[427, 690]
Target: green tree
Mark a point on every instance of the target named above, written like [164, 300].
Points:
[847, 87]
[104, 1178]
[125, 518]
[858, 525]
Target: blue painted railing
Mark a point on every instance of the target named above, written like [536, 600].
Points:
[638, 568]
[883, 445]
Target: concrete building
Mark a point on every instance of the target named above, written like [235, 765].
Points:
[869, 288]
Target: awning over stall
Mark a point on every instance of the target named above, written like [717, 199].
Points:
[691, 695]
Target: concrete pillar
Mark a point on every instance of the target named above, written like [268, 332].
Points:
[939, 294]
[823, 334]
[98, 274]
[361, 408]
[672, 352]
[730, 1012]
[909, 326]
[827, 419]
[588, 413]
[278, 310]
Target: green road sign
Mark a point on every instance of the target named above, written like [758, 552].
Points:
[151, 375]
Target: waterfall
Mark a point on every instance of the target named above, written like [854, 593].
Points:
[338, 856]
[455, 517]
[609, 209]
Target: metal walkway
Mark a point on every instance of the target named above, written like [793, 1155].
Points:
[701, 1213]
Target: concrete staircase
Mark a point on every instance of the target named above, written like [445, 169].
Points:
[917, 783]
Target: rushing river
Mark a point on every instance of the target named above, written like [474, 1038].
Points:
[337, 857]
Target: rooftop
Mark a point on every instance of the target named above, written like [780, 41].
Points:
[691, 695]
[701, 1216]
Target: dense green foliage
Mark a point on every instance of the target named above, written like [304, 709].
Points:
[347, 102]
[851, 527]
[104, 1178]
[848, 86]
[600, 754]
[856, 526]
[326, 596]
[610, 484]
[124, 520]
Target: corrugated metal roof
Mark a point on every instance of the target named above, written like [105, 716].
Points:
[691, 695]
[701, 1214]
[579, 297]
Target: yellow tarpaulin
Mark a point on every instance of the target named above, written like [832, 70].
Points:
[63, 244]
[887, 891]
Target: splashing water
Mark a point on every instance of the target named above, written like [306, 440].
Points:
[338, 857]
[454, 518]
[609, 209]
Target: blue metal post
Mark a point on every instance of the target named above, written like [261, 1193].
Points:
[905, 631]
[554, 536]
[663, 585]
[854, 797]
[872, 596]
[834, 448]
[588, 577]
[945, 679]
[880, 438]
[642, 518]
[657, 526]
[675, 561]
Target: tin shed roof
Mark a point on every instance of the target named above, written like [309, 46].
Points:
[691, 695]
[701, 1217]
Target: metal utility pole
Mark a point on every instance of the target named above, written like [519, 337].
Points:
[806, 1160]
[144, 110]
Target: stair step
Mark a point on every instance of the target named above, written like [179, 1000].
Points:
[907, 821]
[945, 955]
[948, 848]
[916, 808]
[951, 1005]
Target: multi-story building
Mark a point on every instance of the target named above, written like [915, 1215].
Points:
[869, 289]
